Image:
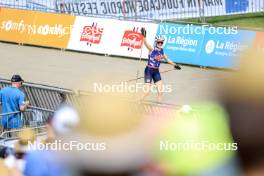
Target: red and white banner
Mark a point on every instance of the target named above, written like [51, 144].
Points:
[90, 34]
[128, 40]
[112, 37]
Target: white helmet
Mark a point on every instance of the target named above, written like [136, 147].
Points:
[159, 38]
[65, 120]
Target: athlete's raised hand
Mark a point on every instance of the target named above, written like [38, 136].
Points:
[143, 32]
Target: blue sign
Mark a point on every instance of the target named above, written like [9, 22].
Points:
[220, 50]
[233, 6]
[181, 42]
[205, 46]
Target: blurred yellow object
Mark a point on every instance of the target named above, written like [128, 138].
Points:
[3, 169]
[107, 115]
[26, 135]
[248, 82]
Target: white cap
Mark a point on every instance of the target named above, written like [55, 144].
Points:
[65, 120]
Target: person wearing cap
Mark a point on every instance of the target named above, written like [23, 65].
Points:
[13, 100]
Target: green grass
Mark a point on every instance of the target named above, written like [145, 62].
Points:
[253, 21]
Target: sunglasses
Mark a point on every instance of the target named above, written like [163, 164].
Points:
[159, 42]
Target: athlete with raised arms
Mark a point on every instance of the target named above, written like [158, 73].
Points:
[155, 57]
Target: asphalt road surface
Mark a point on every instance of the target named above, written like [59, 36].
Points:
[80, 71]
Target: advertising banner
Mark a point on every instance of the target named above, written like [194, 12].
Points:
[188, 44]
[182, 42]
[126, 39]
[112, 37]
[236, 6]
[91, 35]
[38, 28]
[224, 50]
[205, 46]
[51, 29]
[243, 6]
[15, 25]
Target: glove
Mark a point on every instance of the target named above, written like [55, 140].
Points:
[143, 32]
[177, 67]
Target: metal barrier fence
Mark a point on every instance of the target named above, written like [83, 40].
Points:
[13, 122]
[50, 98]
[140, 9]
[43, 96]
[45, 100]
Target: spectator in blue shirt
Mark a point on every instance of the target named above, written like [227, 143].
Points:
[13, 100]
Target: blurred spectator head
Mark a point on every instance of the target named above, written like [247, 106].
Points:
[17, 81]
[16, 162]
[26, 137]
[243, 98]
[65, 119]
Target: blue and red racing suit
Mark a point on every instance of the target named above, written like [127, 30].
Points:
[152, 69]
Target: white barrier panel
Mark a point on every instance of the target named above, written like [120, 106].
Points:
[112, 37]
[127, 41]
[91, 35]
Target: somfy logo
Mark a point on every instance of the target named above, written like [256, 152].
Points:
[210, 46]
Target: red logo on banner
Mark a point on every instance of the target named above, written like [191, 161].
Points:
[92, 34]
[132, 39]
